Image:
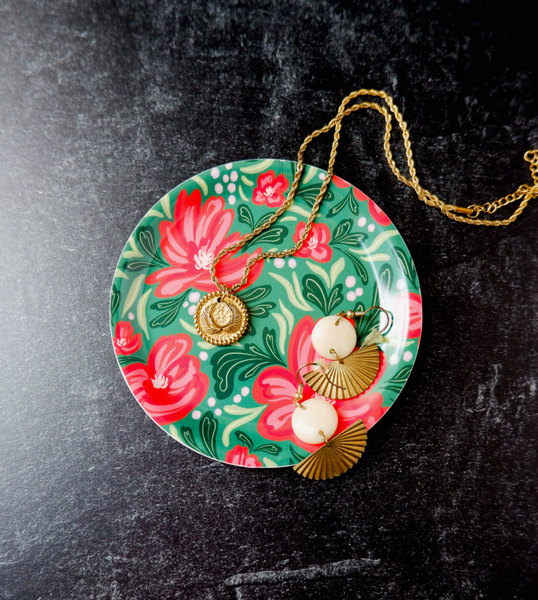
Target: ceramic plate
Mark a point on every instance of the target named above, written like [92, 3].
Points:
[234, 403]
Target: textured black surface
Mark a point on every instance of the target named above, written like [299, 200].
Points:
[105, 106]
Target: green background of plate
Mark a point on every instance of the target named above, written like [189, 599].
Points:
[384, 262]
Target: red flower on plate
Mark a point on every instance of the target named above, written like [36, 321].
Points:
[339, 182]
[124, 341]
[270, 189]
[240, 456]
[170, 385]
[410, 304]
[316, 244]
[276, 386]
[191, 242]
[377, 214]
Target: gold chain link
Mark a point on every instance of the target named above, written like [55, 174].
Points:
[524, 193]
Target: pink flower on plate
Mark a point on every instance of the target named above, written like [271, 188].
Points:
[240, 456]
[340, 183]
[410, 304]
[124, 341]
[316, 244]
[377, 214]
[276, 386]
[191, 242]
[170, 385]
[270, 189]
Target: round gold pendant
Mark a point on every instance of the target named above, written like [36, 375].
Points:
[221, 319]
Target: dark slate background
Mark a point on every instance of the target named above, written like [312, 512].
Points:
[104, 107]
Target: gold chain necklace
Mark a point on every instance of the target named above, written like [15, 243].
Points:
[221, 318]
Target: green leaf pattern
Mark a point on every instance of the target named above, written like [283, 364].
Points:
[315, 292]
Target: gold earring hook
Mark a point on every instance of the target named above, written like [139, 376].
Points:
[386, 313]
[350, 314]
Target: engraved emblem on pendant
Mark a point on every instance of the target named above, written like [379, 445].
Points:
[221, 319]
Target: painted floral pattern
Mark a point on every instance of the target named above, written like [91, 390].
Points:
[375, 212]
[234, 403]
[125, 340]
[270, 190]
[170, 385]
[240, 456]
[316, 245]
[190, 243]
[411, 303]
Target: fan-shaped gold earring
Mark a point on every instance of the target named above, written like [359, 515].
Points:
[336, 456]
[314, 421]
[351, 372]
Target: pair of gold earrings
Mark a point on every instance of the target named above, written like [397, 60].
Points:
[348, 373]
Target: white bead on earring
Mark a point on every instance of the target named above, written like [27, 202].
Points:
[336, 334]
[313, 418]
